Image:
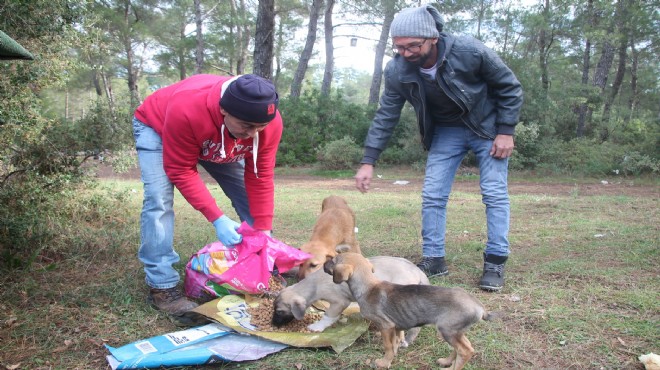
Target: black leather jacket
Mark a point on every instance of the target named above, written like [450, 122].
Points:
[471, 74]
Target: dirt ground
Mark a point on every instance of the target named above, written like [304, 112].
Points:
[621, 186]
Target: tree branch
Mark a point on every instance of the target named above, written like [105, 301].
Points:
[221, 69]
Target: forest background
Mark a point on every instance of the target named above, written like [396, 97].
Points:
[584, 283]
[589, 71]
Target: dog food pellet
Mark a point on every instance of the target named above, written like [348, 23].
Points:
[262, 318]
[274, 285]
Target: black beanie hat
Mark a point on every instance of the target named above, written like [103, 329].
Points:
[250, 98]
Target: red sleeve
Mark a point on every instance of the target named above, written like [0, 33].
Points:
[180, 157]
[260, 187]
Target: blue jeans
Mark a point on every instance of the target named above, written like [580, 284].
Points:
[157, 218]
[449, 147]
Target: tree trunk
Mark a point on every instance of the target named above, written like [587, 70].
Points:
[586, 61]
[507, 30]
[329, 49]
[246, 35]
[604, 65]
[376, 80]
[264, 39]
[299, 76]
[66, 105]
[199, 49]
[624, 32]
[544, 46]
[181, 57]
[278, 51]
[480, 18]
[239, 31]
[584, 107]
[132, 72]
[618, 81]
[234, 34]
[109, 94]
[131, 76]
[97, 83]
[634, 93]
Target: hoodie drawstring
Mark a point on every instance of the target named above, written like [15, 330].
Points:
[255, 150]
[223, 154]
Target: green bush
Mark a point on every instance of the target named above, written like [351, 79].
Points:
[339, 154]
[70, 219]
[526, 150]
[405, 146]
[635, 163]
[313, 120]
[588, 157]
[41, 174]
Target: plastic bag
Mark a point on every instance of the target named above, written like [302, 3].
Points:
[217, 270]
[202, 345]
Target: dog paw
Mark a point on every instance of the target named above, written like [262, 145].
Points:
[445, 362]
[317, 327]
[324, 323]
[403, 344]
[383, 363]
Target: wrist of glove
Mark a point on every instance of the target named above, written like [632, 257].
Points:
[225, 229]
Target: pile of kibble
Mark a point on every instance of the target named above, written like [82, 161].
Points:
[262, 314]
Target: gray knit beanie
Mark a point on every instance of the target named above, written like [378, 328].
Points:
[424, 21]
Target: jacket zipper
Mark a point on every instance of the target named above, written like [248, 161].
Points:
[422, 114]
[463, 104]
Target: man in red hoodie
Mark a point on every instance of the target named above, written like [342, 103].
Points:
[232, 128]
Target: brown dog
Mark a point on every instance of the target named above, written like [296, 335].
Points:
[394, 308]
[333, 233]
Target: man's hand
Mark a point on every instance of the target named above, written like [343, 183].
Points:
[225, 229]
[363, 177]
[502, 146]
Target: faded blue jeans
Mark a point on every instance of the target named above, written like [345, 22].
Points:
[157, 218]
[449, 146]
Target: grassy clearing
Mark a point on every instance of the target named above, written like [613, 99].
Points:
[582, 282]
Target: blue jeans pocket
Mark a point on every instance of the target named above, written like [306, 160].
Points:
[145, 137]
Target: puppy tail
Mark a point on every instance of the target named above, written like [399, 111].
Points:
[490, 316]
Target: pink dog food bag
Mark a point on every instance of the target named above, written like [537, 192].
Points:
[217, 270]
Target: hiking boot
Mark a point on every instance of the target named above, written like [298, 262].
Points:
[177, 307]
[493, 275]
[433, 266]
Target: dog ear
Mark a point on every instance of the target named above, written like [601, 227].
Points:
[298, 307]
[342, 248]
[329, 266]
[342, 273]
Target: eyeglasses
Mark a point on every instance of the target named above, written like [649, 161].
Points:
[412, 48]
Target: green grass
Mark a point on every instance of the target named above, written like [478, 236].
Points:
[582, 289]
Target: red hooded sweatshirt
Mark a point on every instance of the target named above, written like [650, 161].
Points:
[187, 117]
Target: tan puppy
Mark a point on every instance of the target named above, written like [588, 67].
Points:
[393, 308]
[333, 233]
[292, 302]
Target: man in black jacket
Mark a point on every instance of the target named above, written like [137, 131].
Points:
[465, 98]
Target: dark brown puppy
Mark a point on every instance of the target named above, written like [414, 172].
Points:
[333, 233]
[394, 308]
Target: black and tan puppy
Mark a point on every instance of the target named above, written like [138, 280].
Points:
[394, 308]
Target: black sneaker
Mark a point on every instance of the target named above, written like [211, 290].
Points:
[433, 266]
[493, 277]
